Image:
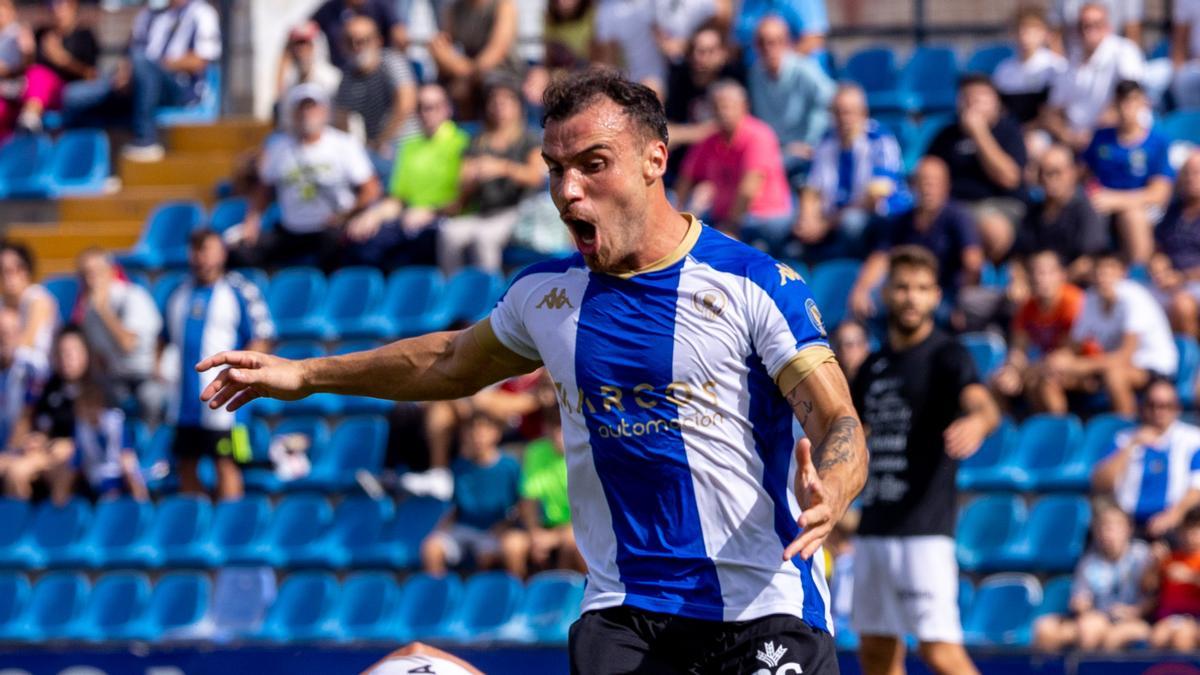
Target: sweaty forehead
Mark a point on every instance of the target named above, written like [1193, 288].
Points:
[602, 122]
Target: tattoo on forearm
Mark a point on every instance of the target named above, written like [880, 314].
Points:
[839, 445]
[799, 404]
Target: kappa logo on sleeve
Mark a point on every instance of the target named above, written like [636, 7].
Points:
[556, 299]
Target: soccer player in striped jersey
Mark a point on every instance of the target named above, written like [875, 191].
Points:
[686, 365]
[211, 311]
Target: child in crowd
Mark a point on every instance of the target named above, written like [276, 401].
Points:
[1176, 578]
[102, 452]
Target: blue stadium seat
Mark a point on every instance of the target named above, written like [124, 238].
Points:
[985, 527]
[80, 164]
[114, 536]
[54, 605]
[551, 602]
[490, 600]
[237, 530]
[25, 166]
[468, 296]
[1076, 474]
[295, 299]
[65, 290]
[1052, 538]
[987, 58]
[426, 604]
[317, 404]
[1099, 437]
[262, 476]
[399, 544]
[14, 526]
[830, 285]
[412, 299]
[917, 137]
[990, 468]
[176, 538]
[114, 608]
[14, 596]
[366, 607]
[966, 596]
[227, 213]
[873, 68]
[164, 286]
[987, 351]
[1189, 367]
[53, 534]
[164, 241]
[1003, 610]
[205, 110]
[357, 443]
[301, 609]
[362, 405]
[1056, 596]
[156, 461]
[352, 306]
[294, 535]
[1181, 125]
[180, 600]
[357, 524]
[1045, 448]
[930, 78]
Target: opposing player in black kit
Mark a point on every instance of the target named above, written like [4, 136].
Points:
[924, 410]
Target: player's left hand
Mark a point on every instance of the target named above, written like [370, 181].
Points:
[819, 516]
[964, 436]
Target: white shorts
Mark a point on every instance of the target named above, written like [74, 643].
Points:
[460, 538]
[906, 586]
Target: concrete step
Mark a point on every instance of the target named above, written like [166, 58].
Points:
[229, 135]
[202, 170]
[129, 204]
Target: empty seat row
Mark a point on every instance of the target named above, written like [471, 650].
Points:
[1046, 453]
[124, 606]
[354, 303]
[302, 531]
[997, 533]
[33, 166]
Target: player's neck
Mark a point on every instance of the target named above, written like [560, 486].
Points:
[664, 231]
[900, 340]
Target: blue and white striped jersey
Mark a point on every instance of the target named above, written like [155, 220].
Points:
[1158, 476]
[204, 320]
[679, 442]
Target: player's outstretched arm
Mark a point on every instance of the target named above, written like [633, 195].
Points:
[832, 458]
[436, 366]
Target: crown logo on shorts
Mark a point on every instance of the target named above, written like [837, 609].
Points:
[771, 656]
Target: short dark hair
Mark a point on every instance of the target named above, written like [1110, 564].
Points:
[1111, 255]
[21, 251]
[1156, 380]
[1127, 88]
[974, 78]
[199, 236]
[1045, 251]
[1190, 519]
[569, 95]
[911, 255]
[1030, 13]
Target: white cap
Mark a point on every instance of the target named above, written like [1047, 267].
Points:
[306, 91]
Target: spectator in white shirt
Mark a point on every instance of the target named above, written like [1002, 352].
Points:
[322, 178]
[22, 372]
[1126, 16]
[1120, 339]
[1080, 100]
[121, 323]
[300, 63]
[630, 34]
[170, 51]
[1024, 79]
[1185, 54]
[36, 307]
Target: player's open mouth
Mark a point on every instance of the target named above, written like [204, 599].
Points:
[585, 234]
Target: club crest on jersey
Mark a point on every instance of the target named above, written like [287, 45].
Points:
[710, 302]
[555, 299]
[771, 656]
[814, 315]
[786, 274]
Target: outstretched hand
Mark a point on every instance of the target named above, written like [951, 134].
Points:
[818, 517]
[251, 375]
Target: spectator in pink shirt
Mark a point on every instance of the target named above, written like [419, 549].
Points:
[735, 177]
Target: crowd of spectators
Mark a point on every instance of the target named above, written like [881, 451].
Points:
[1059, 218]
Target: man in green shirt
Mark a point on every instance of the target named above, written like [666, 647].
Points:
[424, 182]
[544, 508]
